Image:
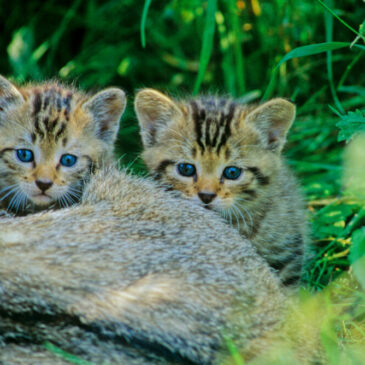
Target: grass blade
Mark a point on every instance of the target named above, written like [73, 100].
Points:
[349, 68]
[239, 74]
[65, 355]
[146, 6]
[304, 51]
[338, 18]
[328, 22]
[208, 38]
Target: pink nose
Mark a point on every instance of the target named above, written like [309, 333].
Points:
[44, 184]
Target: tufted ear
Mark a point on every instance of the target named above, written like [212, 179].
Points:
[9, 94]
[272, 120]
[106, 108]
[154, 110]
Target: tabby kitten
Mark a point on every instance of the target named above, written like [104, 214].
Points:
[227, 157]
[51, 138]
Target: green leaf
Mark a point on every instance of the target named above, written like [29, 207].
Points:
[337, 17]
[353, 89]
[305, 51]
[312, 49]
[208, 38]
[233, 350]
[351, 123]
[237, 45]
[20, 52]
[65, 355]
[357, 255]
[147, 4]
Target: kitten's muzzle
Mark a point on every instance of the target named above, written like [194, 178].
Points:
[44, 185]
[207, 198]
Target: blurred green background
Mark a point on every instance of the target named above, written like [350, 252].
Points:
[235, 47]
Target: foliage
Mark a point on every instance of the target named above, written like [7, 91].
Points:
[350, 124]
[308, 51]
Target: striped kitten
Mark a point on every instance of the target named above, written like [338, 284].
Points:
[51, 138]
[227, 157]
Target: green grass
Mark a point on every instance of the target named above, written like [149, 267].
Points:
[296, 49]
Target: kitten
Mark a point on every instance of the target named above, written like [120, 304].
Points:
[51, 138]
[227, 157]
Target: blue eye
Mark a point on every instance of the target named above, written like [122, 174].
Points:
[186, 169]
[232, 172]
[68, 160]
[24, 155]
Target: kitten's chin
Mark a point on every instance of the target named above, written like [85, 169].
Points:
[41, 200]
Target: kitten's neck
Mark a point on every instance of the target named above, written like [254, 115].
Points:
[253, 212]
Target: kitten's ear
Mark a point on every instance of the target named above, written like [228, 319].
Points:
[154, 110]
[106, 108]
[9, 94]
[272, 120]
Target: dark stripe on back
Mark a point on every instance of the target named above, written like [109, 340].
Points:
[262, 179]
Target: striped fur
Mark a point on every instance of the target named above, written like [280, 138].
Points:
[214, 133]
[52, 120]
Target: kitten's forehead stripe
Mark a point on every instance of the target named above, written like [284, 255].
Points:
[46, 103]
[60, 131]
[37, 103]
[227, 128]
[37, 128]
[59, 103]
[212, 120]
[198, 116]
[207, 131]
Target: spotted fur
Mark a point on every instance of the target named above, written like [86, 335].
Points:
[52, 120]
[214, 133]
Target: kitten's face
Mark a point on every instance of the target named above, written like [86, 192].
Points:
[50, 141]
[211, 149]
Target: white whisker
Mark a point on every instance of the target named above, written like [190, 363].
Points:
[13, 200]
[12, 191]
[7, 188]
